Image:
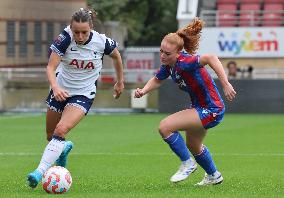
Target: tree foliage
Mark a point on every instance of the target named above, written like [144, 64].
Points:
[147, 21]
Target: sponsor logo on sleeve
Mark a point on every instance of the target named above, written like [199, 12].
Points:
[60, 39]
[111, 42]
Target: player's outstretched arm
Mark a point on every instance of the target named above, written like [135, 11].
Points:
[119, 85]
[214, 62]
[152, 84]
[59, 93]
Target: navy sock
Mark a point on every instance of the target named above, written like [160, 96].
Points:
[178, 146]
[205, 160]
[58, 138]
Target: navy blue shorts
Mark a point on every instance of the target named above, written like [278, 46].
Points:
[79, 101]
[210, 117]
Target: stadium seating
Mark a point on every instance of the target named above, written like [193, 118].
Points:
[273, 1]
[272, 14]
[249, 14]
[227, 15]
[245, 13]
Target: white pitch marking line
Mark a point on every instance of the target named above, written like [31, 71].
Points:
[8, 117]
[149, 154]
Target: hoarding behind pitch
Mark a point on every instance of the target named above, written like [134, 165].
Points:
[243, 42]
[142, 60]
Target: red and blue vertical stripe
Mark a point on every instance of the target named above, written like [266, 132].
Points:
[194, 79]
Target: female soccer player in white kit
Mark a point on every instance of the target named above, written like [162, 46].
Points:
[78, 52]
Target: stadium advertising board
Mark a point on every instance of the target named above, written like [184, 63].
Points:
[139, 64]
[140, 60]
[243, 42]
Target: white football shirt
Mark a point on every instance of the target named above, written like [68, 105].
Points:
[80, 65]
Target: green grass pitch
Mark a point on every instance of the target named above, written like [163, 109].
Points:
[124, 156]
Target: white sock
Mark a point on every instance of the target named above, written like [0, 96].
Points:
[186, 161]
[51, 154]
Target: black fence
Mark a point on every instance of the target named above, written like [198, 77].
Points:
[253, 96]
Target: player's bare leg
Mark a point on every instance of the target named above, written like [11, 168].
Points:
[71, 116]
[52, 119]
[184, 120]
[194, 140]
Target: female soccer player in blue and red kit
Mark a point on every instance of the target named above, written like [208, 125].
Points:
[207, 108]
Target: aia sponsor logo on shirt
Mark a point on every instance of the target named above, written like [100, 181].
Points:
[80, 64]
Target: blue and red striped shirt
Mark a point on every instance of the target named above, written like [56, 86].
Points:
[193, 78]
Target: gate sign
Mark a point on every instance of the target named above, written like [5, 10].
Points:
[140, 60]
[243, 42]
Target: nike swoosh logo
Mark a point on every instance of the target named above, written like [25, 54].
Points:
[73, 50]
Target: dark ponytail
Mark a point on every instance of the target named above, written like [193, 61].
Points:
[84, 15]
